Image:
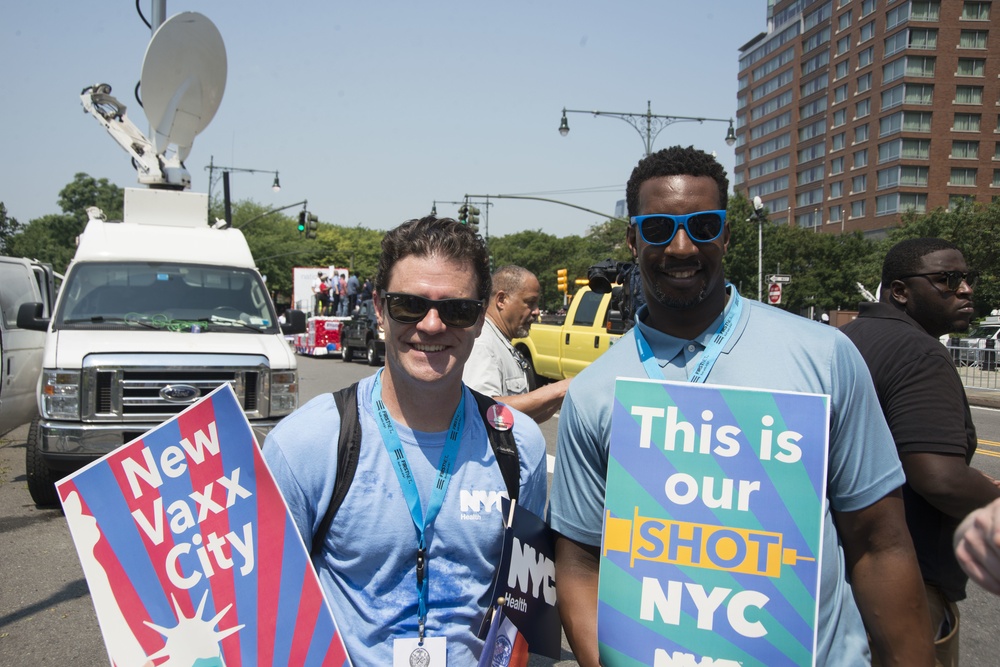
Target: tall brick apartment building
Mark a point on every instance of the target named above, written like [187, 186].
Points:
[851, 112]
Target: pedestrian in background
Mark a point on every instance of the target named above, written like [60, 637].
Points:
[353, 287]
[495, 368]
[926, 292]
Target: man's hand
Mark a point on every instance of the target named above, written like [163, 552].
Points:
[977, 546]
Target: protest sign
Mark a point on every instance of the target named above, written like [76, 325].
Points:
[713, 526]
[526, 582]
[190, 552]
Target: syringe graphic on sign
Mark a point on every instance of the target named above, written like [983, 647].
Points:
[699, 545]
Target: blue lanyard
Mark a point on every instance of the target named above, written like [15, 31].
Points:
[712, 350]
[390, 438]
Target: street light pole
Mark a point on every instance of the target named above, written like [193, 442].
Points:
[212, 168]
[648, 124]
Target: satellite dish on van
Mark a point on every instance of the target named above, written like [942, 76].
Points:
[183, 79]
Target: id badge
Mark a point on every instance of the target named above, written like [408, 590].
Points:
[409, 652]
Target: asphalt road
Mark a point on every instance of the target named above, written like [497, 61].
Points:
[46, 616]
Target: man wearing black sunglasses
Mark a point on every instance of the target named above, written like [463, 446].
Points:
[695, 327]
[926, 292]
[408, 559]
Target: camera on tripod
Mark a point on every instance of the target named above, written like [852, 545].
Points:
[623, 281]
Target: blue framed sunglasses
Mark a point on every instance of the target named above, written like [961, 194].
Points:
[660, 228]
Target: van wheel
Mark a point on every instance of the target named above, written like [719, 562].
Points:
[41, 480]
[346, 353]
[372, 354]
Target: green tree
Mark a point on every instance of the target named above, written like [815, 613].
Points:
[52, 238]
[8, 228]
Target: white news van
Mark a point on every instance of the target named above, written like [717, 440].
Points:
[154, 312]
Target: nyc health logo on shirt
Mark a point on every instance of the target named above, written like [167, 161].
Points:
[473, 503]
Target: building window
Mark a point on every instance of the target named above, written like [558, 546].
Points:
[809, 197]
[858, 209]
[920, 66]
[842, 69]
[836, 213]
[861, 133]
[889, 151]
[807, 176]
[767, 187]
[897, 16]
[919, 93]
[843, 45]
[859, 184]
[996, 151]
[837, 141]
[863, 108]
[867, 32]
[770, 146]
[892, 97]
[812, 152]
[917, 121]
[923, 38]
[820, 38]
[894, 70]
[966, 122]
[819, 60]
[839, 118]
[916, 149]
[840, 94]
[813, 129]
[887, 178]
[976, 11]
[867, 7]
[771, 105]
[955, 201]
[811, 109]
[890, 124]
[886, 204]
[912, 202]
[972, 39]
[965, 150]
[836, 189]
[864, 83]
[996, 178]
[865, 57]
[836, 166]
[894, 44]
[969, 95]
[913, 176]
[965, 176]
[844, 21]
[861, 158]
[809, 220]
[971, 67]
[925, 11]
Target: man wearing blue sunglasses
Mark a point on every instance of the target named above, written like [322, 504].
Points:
[694, 327]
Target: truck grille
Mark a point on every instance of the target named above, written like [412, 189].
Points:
[129, 393]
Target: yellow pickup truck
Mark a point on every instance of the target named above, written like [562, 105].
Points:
[562, 351]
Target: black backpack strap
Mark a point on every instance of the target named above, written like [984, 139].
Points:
[504, 447]
[348, 452]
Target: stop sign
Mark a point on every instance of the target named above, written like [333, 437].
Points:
[774, 294]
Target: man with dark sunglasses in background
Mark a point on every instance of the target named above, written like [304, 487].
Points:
[495, 368]
[926, 292]
[695, 327]
[408, 560]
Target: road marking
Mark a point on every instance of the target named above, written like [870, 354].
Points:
[992, 443]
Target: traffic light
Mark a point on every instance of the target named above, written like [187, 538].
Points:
[302, 221]
[561, 280]
[474, 218]
[463, 214]
[311, 223]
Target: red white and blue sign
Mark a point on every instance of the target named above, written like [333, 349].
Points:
[190, 552]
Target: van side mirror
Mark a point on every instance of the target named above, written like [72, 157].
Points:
[29, 316]
[295, 324]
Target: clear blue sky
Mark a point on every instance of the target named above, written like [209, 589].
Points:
[372, 110]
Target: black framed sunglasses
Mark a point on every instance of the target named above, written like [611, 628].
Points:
[410, 309]
[952, 279]
[660, 228]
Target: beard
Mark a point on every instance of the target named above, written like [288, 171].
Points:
[678, 301]
[522, 331]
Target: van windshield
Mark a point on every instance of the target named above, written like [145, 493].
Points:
[164, 296]
[983, 331]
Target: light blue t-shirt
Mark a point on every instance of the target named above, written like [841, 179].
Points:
[769, 349]
[368, 564]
